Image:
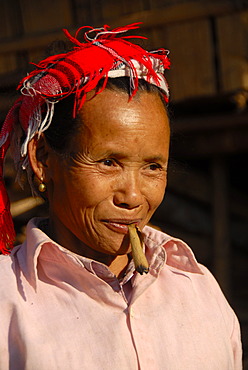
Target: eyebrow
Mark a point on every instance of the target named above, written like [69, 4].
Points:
[157, 159]
[120, 155]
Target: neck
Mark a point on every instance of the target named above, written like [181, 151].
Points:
[117, 263]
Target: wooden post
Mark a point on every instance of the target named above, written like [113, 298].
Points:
[222, 250]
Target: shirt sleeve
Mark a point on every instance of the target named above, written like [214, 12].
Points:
[236, 344]
[230, 318]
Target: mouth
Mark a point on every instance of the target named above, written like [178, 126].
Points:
[120, 225]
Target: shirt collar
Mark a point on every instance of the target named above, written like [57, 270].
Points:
[160, 248]
[177, 253]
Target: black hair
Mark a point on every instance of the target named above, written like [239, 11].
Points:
[64, 126]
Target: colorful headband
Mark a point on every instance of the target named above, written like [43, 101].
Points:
[103, 55]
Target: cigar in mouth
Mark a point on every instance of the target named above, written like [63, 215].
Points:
[139, 258]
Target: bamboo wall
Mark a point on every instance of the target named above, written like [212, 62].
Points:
[207, 55]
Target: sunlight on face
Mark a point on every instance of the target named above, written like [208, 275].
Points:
[117, 172]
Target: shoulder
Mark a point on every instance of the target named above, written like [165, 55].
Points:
[209, 283]
[8, 275]
[5, 267]
[181, 262]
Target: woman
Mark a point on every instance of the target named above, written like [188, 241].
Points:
[92, 128]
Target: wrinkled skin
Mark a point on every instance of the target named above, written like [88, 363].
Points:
[116, 175]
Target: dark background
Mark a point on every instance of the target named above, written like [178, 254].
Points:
[206, 203]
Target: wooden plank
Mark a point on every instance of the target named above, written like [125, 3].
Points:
[232, 40]
[9, 29]
[6, 27]
[130, 6]
[193, 184]
[95, 13]
[203, 123]
[29, 42]
[208, 144]
[221, 103]
[21, 206]
[7, 63]
[151, 18]
[189, 183]
[177, 13]
[112, 9]
[57, 14]
[222, 247]
[159, 36]
[192, 72]
[81, 12]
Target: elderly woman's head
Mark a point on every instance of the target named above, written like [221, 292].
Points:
[111, 172]
[100, 147]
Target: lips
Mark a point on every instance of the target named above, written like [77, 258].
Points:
[120, 225]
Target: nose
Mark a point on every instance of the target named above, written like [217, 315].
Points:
[128, 192]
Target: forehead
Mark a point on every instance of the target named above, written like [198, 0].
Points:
[111, 123]
[114, 108]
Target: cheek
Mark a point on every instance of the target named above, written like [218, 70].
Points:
[156, 194]
[89, 190]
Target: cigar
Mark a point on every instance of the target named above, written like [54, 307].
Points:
[139, 258]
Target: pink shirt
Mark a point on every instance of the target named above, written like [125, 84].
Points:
[62, 311]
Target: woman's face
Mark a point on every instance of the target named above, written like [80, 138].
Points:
[116, 175]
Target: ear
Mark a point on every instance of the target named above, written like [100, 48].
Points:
[38, 152]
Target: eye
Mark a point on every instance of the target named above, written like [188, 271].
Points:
[154, 166]
[109, 166]
[108, 162]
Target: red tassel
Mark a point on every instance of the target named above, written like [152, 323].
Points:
[7, 231]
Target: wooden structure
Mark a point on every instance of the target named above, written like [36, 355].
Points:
[207, 199]
[199, 33]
